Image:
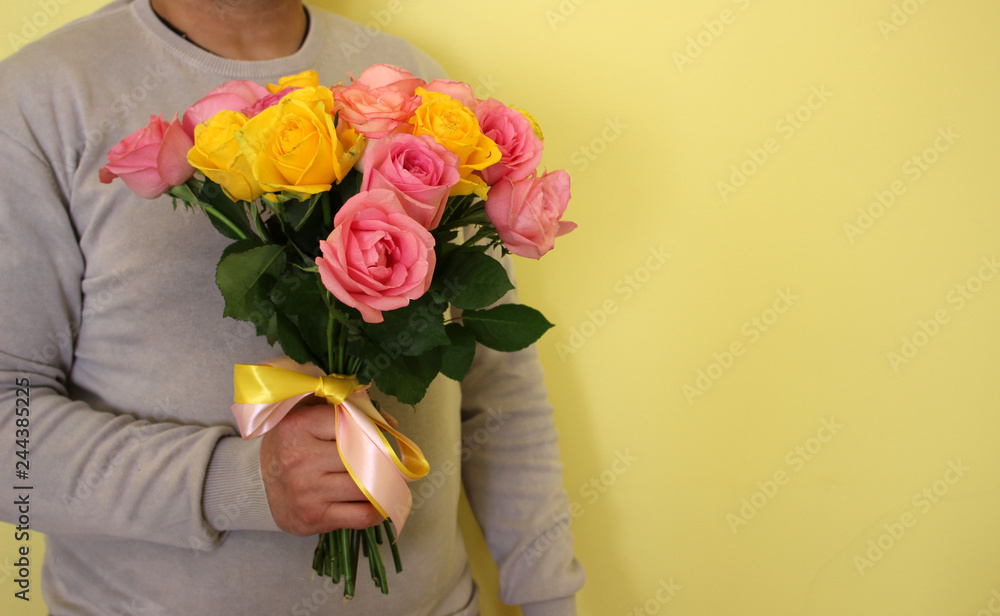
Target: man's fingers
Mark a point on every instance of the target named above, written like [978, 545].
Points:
[351, 515]
[319, 421]
[332, 488]
[307, 486]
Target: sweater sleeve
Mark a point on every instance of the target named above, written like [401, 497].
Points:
[95, 472]
[513, 478]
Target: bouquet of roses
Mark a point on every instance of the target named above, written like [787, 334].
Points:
[362, 218]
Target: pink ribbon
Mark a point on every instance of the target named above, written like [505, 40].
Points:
[265, 393]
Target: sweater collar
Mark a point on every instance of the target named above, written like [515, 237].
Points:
[301, 60]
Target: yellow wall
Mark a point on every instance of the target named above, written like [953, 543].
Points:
[738, 344]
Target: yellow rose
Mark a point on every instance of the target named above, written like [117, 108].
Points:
[305, 79]
[352, 144]
[294, 146]
[455, 127]
[313, 95]
[218, 155]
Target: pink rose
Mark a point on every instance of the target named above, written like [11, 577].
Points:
[152, 159]
[382, 98]
[377, 257]
[231, 96]
[520, 149]
[526, 212]
[458, 90]
[419, 170]
[172, 162]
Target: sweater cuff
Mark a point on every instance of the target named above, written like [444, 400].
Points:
[234, 496]
[554, 607]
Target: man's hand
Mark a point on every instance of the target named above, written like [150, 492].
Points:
[307, 487]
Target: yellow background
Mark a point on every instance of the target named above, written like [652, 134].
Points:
[649, 122]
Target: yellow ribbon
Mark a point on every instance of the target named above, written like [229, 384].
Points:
[261, 384]
[269, 388]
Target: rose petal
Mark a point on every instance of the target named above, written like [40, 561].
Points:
[171, 161]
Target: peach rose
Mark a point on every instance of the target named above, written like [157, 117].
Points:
[379, 101]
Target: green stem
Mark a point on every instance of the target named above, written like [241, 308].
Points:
[331, 323]
[211, 211]
[390, 536]
[349, 566]
[318, 555]
[337, 564]
[355, 550]
[456, 208]
[327, 213]
[341, 350]
[375, 560]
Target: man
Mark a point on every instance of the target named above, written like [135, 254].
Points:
[150, 501]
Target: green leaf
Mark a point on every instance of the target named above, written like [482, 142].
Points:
[212, 194]
[298, 293]
[299, 296]
[443, 240]
[246, 279]
[470, 279]
[456, 358]
[270, 330]
[508, 327]
[406, 378]
[293, 343]
[348, 187]
[412, 330]
[241, 246]
[184, 193]
[299, 211]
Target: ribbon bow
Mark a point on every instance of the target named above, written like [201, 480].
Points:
[265, 393]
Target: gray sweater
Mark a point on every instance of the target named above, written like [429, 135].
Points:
[149, 500]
